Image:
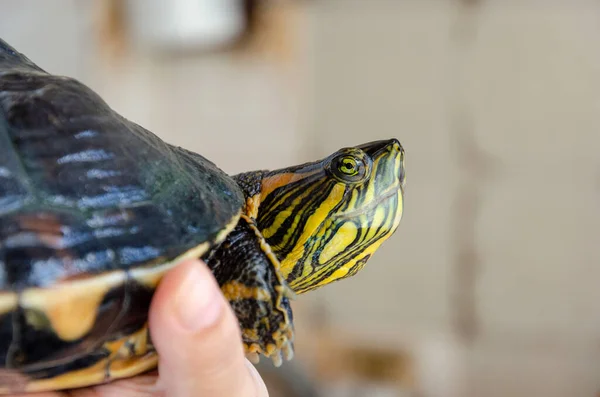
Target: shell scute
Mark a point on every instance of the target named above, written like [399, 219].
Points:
[105, 193]
[94, 209]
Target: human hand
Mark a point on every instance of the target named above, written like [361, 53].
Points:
[198, 341]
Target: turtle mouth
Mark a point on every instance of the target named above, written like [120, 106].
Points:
[367, 208]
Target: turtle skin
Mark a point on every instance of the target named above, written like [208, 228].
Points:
[94, 209]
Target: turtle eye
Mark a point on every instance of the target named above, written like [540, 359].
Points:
[348, 168]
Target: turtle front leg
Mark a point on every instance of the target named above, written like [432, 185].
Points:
[249, 276]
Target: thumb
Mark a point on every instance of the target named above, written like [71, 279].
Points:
[198, 338]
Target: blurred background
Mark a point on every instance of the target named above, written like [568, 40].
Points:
[490, 286]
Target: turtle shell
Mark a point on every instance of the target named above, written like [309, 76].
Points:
[93, 210]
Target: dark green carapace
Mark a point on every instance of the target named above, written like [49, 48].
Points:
[94, 209]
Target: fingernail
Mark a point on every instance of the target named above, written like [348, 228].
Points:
[197, 302]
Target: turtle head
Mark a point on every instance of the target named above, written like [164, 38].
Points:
[325, 219]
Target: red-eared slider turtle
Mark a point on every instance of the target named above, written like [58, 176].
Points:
[94, 209]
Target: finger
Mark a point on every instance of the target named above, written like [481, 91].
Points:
[198, 338]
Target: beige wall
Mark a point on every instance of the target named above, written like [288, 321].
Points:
[497, 108]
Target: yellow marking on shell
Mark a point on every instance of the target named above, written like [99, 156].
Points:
[79, 378]
[123, 360]
[342, 239]
[120, 348]
[8, 302]
[71, 307]
[139, 341]
[120, 364]
[117, 347]
[235, 290]
[127, 368]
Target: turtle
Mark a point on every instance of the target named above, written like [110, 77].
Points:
[95, 209]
